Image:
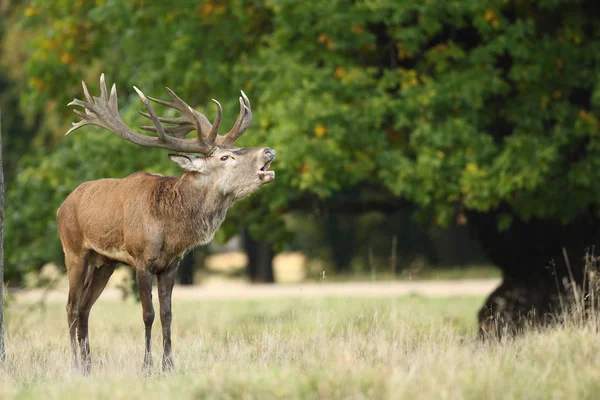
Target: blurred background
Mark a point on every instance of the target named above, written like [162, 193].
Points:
[414, 139]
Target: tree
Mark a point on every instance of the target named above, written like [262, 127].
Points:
[2, 349]
[260, 259]
[482, 109]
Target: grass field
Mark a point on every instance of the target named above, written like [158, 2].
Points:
[319, 348]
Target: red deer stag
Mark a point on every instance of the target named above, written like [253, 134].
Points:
[151, 221]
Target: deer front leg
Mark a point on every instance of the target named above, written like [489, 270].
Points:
[166, 280]
[144, 282]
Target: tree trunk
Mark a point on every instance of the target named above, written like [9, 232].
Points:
[532, 260]
[2, 348]
[260, 259]
[341, 236]
[453, 246]
[185, 272]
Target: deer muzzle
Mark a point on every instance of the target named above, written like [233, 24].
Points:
[264, 174]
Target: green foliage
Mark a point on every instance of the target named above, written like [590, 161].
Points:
[474, 104]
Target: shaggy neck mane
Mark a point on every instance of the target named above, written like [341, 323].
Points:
[187, 195]
[192, 203]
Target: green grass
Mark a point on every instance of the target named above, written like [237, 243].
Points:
[320, 348]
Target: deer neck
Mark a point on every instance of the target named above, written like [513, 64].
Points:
[204, 207]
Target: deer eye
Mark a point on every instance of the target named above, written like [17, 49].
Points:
[224, 158]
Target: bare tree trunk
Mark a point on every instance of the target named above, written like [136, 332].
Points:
[531, 255]
[193, 261]
[185, 272]
[260, 259]
[341, 235]
[2, 349]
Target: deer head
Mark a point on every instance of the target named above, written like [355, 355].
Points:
[234, 171]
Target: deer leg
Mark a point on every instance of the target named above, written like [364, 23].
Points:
[94, 287]
[144, 282]
[166, 281]
[76, 268]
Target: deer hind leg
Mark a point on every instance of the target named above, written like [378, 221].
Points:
[144, 282]
[76, 270]
[94, 286]
[166, 280]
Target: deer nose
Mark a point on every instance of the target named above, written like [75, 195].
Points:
[270, 153]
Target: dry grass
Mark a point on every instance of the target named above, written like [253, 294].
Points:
[329, 348]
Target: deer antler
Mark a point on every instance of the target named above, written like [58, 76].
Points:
[193, 120]
[103, 111]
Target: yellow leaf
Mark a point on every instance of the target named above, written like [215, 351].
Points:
[320, 130]
[31, 11]
[207, 9]
[472, 168]
[442, 47]
[440, 154]
[340, 72]
[220, 9]
[402, 52]
[37, 83]
[367, 48]
[358, 30]
[489, 15]
[67, 58]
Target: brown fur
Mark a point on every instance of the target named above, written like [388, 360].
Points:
[149, 222]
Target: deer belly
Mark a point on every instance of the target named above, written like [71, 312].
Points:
[101, 256]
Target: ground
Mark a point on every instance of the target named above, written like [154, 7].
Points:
[232, 290]
[328, 344]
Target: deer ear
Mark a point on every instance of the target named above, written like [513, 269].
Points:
[185, 162]
[190, 163]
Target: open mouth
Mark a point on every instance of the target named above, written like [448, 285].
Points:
[264, 174]
[266, 166]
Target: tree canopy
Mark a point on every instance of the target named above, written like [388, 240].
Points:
[449, 105]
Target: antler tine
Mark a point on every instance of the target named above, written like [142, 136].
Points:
[112, 99]
[212, 135]
[241, 124]
[159, 128]
[103, 94]
[248, 117]
[86, 92]
[87, 115]
[182, 106]
[190, 119]
[179, 131]
[103, 111]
